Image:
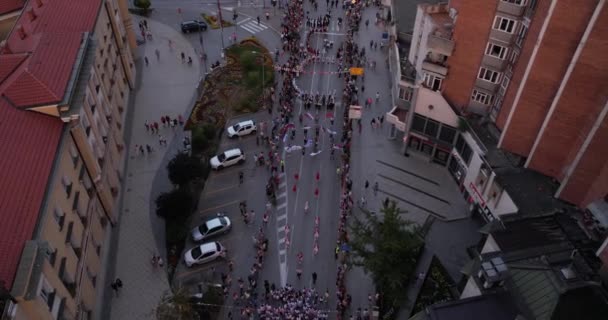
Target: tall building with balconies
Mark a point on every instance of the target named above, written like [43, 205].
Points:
[64, 92]
[536, 73]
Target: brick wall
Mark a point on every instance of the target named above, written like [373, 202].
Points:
[558, 45]
[580, 103]
[471, 32]
[589, 180]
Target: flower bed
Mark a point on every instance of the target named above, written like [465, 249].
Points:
[212, 21]
[236, 87]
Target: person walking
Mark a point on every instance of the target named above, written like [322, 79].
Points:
[366, 185]
[146, 60]
[241, 177]
[252, 216]
[157, 53]
[267, 16]
[377, 96]
[375, 188]
[314, 278]
[258, 18]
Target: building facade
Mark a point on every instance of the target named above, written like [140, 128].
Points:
[534, 73]
[78, 78]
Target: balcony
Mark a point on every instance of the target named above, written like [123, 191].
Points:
[435, 67]
[494, 62]
[439, 44]
[511, 7]
[408, 72]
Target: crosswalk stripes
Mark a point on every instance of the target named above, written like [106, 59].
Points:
[253, 27]
[281, 225]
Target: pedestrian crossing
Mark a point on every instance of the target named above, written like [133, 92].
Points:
[282, 226]
[253, 26]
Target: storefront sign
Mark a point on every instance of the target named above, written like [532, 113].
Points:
[477, 195]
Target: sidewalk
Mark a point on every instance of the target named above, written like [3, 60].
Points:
[166, 87]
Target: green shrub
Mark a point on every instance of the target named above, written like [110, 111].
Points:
[199, 139]
[175, 204]
[209, 131]
[176, 231]
[142, 4]
[183, 169]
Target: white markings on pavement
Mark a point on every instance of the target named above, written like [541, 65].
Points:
[243, 21]
[253, 27]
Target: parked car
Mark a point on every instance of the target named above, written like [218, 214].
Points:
[204, 253]
[212, 227]
[242, 128]
[227, 158]
[193, 25]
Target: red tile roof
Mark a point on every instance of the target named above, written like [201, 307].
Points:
[34, 71]
[8, 64]
[28, 143]
[8, 6]
[53, 39]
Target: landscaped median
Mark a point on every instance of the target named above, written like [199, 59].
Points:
[213, 21]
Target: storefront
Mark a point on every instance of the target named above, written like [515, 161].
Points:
[436, 151]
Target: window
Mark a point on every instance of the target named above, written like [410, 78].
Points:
[505, 83]
[418, 124]
[405, 93]
[463, 149]
[496, 51]
[67, 185]
[504, 24]
[514, 56]
[93, 107]
[433, 82]
[488, 75]
[516, 2]
[447, 134]
[521, 35]
[431, 128]
[74, 155]
[59, 217]
[51, 255]
[481, 97]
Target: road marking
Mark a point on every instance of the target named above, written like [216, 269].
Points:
[253, 27]
[283, 184]
[219, 190]
[243, 21]
[220, 206]
[281, 206]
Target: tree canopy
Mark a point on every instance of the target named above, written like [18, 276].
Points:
[142, 4]
[387, 247]
[183, 168]
[175, 204]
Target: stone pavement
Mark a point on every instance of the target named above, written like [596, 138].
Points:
[166, 87]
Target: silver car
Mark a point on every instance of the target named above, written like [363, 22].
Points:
[218, 225]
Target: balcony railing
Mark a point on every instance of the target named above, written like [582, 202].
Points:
[440, 44]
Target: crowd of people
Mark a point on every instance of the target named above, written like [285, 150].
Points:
[291, 303]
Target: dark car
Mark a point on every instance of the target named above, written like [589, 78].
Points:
[193, 25]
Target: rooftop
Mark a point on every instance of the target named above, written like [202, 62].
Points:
[8, 6]
[491, 306]
[36, 67]
[405, 13]
[532, 192]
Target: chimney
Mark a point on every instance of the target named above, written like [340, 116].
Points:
[31, 14]
[21, 32]
[39, 3]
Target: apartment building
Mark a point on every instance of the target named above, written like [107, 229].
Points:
[534, 73]
[64, 90]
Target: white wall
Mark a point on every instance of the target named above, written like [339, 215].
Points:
[490, 245]
[470, 290]
[441, 112]
[505, 205]
[423, 26]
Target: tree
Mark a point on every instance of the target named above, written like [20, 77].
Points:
[176, 306]
[175, 204]
[143, 4]
[183, 168]
[387, 248]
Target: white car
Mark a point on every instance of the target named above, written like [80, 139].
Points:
[218, 225]
[227, 158]
[204, 253]
[242, 128]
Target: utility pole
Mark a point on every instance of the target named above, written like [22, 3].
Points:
[203, 54]
[219, 15]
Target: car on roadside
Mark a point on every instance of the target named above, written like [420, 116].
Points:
[193, 25]
[204, 253]
[242, 128]
[212, 227]
[227, 158]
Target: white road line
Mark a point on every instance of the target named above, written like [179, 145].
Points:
[243, 21]
[281, 206]
[282, 240]
[282, 217]
[283, 184]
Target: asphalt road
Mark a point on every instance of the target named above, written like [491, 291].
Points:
[223, 193]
